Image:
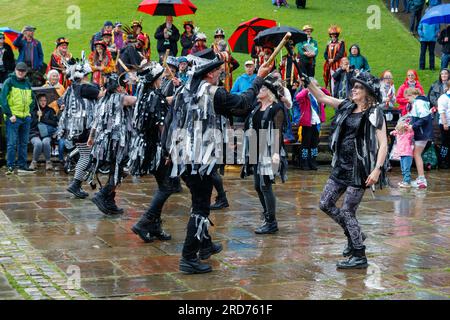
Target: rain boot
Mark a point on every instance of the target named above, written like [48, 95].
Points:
[194, 265]
[221, 202]
[209, 249]
[149, 229]
[304, 164]
[358, 260]
[312, 155]
[75, 189]
[101, 200]
[269, 226]
[111, 204]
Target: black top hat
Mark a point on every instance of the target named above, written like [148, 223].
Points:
[207, 67]
[370, 82]
[206, 54]
[273, 84]
[61, 40]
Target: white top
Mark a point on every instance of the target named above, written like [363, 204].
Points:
[315, 119]
[444, 107]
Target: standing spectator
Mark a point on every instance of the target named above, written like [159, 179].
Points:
[405, 6]
[59, 58]
[107, 26]
[422, 124]
[107, 38]
[44, 123]
[444, 41]
[101, 63]
[394, 5]
[30, 49]
[200, 43]
[444, 122]
[139, 34]
[167, 35]
[312, 115]
[342, 77]
[387, 89]
[404, 135]
[230, 64]
[308, 51]
[17, 103]
[119, 37]
[245, 81]
[357, 61]
[187, 38]
[438, 88]
[219, 36]
[428, 34]
[7, 63]
[415, 7]
[333, 54]
[411, 81]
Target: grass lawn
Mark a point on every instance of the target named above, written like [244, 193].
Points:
[390, 47]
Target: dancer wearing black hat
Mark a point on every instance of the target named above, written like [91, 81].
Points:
[148, 155]
[197, 108]
[359, 144]
[110, 139]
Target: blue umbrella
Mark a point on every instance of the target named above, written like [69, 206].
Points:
[437, 14]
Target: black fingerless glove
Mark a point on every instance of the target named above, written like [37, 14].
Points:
[305, 79]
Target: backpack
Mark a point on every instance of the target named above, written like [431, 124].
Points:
[429, 157]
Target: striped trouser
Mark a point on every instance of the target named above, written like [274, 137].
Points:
[83, 162]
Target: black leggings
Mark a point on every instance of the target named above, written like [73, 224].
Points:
[345, 216]
[263, 187]
[310, 137]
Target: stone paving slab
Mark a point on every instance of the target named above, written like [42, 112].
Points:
[46, 236]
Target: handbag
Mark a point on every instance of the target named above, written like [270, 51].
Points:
[45, 130]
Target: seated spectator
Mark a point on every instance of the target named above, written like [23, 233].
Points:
[387, 89]
[312, 115]
[444, 123]
[439, 87]
[200, 43]
[411, 81]
[43, 125]
[53, 81]
[357, 61]
[342, 86]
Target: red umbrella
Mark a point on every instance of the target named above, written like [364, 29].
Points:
[167, 7]
[242, 39]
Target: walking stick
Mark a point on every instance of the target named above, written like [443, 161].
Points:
[166, 55]
[278, 48]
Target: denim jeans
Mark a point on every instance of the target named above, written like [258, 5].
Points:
[17, 135]
[406, 5]
[41, 146]
[405, 164]
[61, 143]
[394, 3]
[414, 20]
[445, 59]
[423, 51]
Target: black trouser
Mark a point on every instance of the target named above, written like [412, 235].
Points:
[414, 20]
[309, 69]
[310, 141]
[445, 140]
[201, 189]
[263, 187]
[423, 50]
[218, 184]
[166, 186]
[345, 216]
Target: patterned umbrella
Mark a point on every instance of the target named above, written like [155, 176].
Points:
[242, 39]
[167, 7]
[10, 35]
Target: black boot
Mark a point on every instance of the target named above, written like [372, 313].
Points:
[75, 189]
[312, 159]
[111, 204]
[348, 250]
[357, 261]
[269, 226]
[194, 266]
[101, 200]
[221, 202]
[149, 229]
[304, 164]
[213, 248]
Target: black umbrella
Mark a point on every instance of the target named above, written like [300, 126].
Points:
[273, 36]
[50, 93]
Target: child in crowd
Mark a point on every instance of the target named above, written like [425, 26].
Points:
[422, 124]
[404, 135]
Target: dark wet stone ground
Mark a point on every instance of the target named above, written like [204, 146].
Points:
[408, 243]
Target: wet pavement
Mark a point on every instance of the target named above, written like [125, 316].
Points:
[48, 238]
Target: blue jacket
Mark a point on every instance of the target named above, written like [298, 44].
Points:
[416, 5]
[428, 32]
[243, 83]
[433, 3]
[38, 54]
